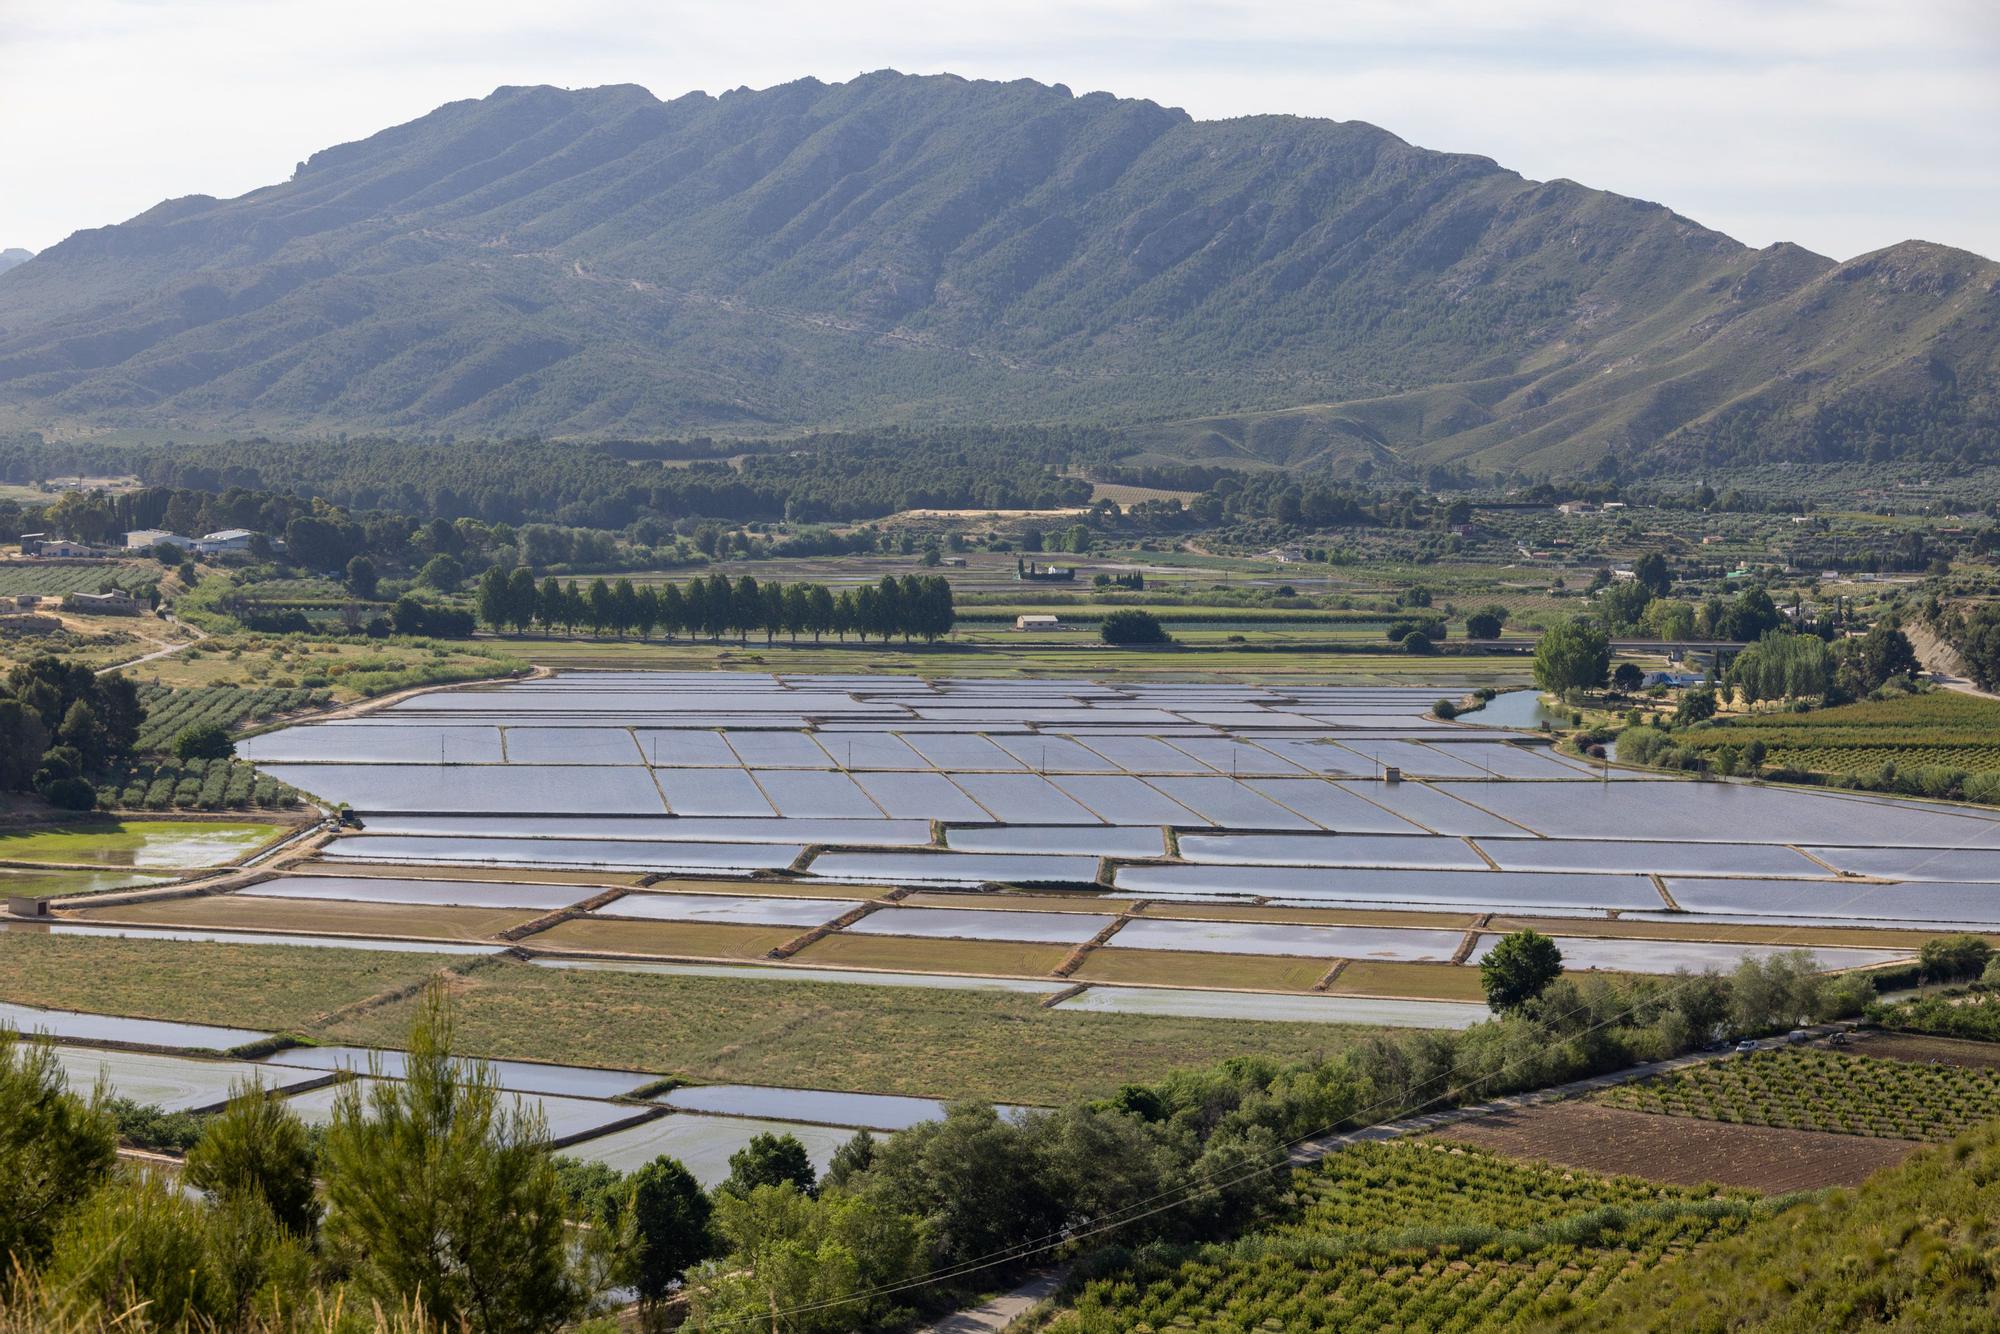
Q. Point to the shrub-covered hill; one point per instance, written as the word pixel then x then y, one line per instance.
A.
pixel 927 249
pixel 1912 1249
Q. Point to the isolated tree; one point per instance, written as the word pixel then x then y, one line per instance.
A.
pixel 1571 656
pixel 443 573
pixel 439 1193
pixel 1884 652
pixel 258 1148
pixel 361 577
pixel 1129 625
pixel 1519 968
pixel 1627 677
pixel 769 1160
pixel 522 602
pixel 494 607
pixel 1696 706
pixel 204 741
pixel 1652 574
pixel 670 1213
pixel 1486 623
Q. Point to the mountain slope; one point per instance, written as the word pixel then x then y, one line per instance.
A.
pixel 14 255
pixel 900 248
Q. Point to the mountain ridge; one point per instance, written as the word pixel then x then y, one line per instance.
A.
pixel 933 249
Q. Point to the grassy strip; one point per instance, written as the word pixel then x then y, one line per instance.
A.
pixel 1253 972
pixel 416 922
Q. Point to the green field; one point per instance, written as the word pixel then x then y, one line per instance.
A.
pixel 915 1040
pixel 1083 656
pixel 1410 1235
pixel 163 844
pixel 1935 728
pixel 1812 1090
pixel 48 579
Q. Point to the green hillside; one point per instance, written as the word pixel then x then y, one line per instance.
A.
pixel 1271 289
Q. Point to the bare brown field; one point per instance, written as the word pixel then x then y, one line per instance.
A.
pixel 320 915
pixel 907 954
pixel 1253 972
pixel 687 940
pixel 1942 1051
pixel 1678 1149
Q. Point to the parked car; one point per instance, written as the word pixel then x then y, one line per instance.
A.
pixel 1798 1035
pixel 1746 1047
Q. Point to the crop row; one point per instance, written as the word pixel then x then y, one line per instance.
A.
pixel 49 580
pixel 1409 1235
pixel 207 785
pixel 1800 1090
pixel 1983 758
pixel 171 711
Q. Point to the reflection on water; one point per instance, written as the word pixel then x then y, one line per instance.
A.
pixel 1522 709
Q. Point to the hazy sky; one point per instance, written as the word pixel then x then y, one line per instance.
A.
pixel 1841 124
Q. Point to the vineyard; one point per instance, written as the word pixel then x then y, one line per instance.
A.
pixel 49 579
pixel 1801 1090
pixel 171 711
pixel 1414 1235
pixel 202 785
pixel 1937 728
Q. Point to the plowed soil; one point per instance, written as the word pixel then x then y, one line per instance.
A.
pixel 1679 1149
pixel 1924 1050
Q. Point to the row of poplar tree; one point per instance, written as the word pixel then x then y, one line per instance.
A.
pixel 916 606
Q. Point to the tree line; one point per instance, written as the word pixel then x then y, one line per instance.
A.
pixel 916 606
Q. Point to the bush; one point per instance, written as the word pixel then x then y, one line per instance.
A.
pixel 204 741
pixel 70 794
pixel 1128 625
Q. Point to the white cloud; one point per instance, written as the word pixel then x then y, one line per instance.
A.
pixel 1842 124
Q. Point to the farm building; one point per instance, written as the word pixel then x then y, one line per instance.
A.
pixel 57 548
pixel 227 540
pixel 114 603
pixel 1037 621
pixel 145 539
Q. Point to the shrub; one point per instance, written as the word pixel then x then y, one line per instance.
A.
pixel 204 741
pixel 1129 625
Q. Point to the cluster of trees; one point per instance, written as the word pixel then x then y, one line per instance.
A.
pixel 61 726
pixel 821 477
pixel 1781 666
pixel 1976 636
pixel 914 606
pixel 1638 607
pixel 431 1196
pixel 1572 656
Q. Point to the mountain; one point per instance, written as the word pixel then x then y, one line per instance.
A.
pixel 1267 290
pixel 13 255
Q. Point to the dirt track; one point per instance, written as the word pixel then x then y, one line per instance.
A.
pixel 1678 1149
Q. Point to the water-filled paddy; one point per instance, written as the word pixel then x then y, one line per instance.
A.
pixel 30 1020
pixel 173 1083
pixel 702 1144
pixel 162 844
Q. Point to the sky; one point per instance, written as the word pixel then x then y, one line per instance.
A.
pixel 1843 125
